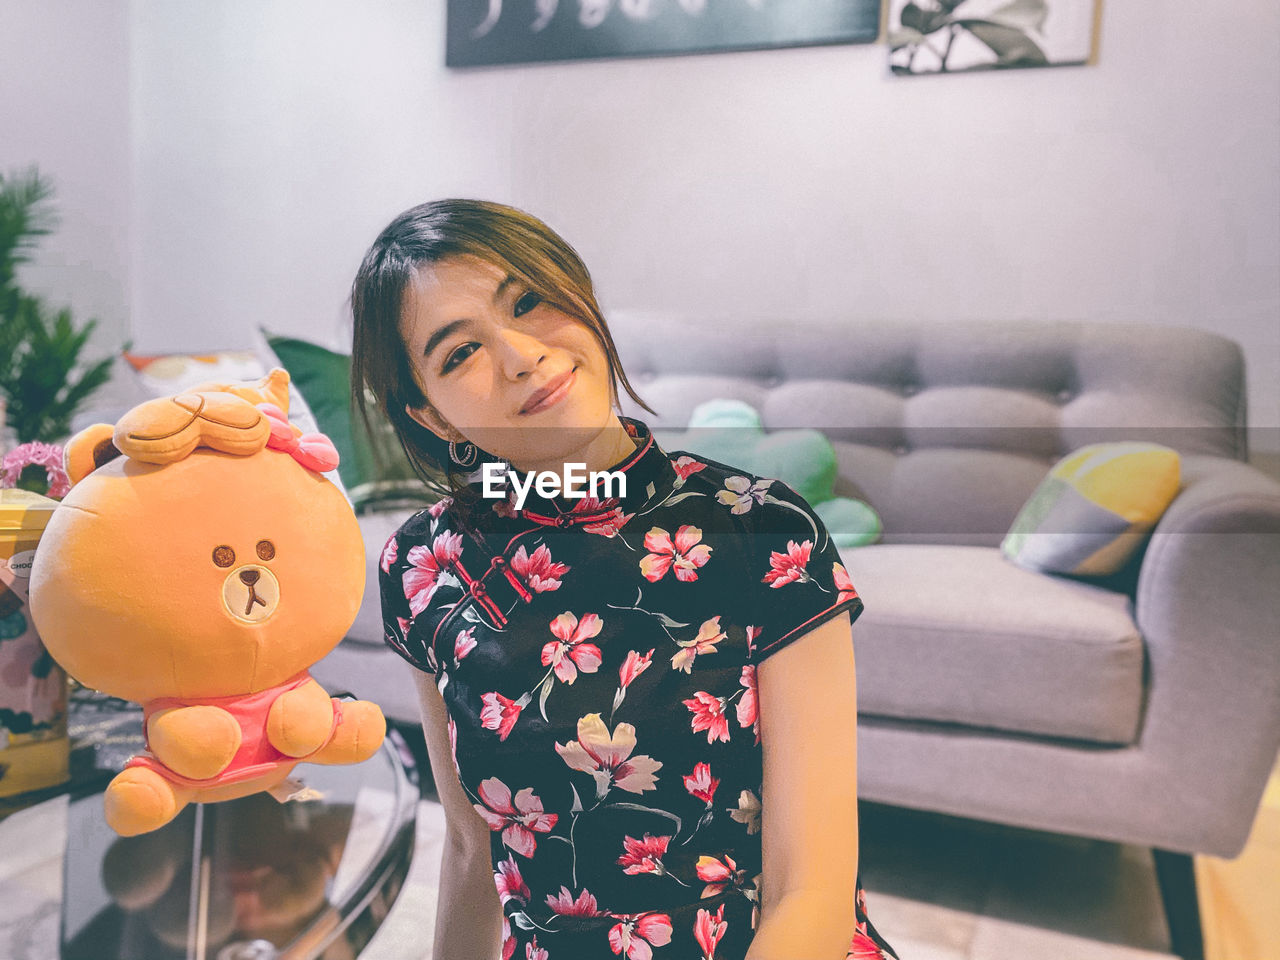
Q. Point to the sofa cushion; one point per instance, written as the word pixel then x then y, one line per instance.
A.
pixel 945 428
pixel 958 634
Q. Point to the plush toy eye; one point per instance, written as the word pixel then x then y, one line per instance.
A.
pixel 224 556
pixel 266 549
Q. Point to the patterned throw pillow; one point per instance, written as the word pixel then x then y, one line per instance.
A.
pixel 166 374
pixel 1094 509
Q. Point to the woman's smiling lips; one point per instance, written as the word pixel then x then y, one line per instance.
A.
pixel 551 394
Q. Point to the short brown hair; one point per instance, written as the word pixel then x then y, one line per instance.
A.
pixel 510 239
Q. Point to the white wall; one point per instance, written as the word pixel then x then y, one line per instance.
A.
pixel 272 140
pixel 64 106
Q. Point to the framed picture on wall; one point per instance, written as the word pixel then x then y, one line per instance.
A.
pixel 486 32
pixel 951 36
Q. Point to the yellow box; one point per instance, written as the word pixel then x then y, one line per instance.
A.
pixel 34 750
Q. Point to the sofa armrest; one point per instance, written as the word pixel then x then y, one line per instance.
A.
pixel 1208 607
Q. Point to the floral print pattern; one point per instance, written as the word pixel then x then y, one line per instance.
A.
pixel 598 661
pixel 741 494
pixel 607 757
pixel 684 553
pixel 516 819
pixel 571 652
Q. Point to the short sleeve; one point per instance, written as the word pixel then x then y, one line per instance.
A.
pixel 798 581
pixel 397 618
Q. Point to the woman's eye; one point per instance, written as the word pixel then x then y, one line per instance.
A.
pixel 531 298
pixel 458 356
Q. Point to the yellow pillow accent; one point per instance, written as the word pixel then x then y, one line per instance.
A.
pixel 1136 480
pixel 1094 508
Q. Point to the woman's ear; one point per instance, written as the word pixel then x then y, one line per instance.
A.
pixel 427 417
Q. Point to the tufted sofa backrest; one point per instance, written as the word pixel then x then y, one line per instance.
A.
pixel 945 429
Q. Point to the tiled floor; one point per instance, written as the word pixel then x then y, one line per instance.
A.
pixel 938 888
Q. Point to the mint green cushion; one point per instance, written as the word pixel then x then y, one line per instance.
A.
pixel 850 522
pixel 732 432
pixel 374 469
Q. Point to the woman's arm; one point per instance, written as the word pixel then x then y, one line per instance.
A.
pixel 809 826
pixel 468 912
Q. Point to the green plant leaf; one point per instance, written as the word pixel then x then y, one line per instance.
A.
pixel 25 216
pixel 41 375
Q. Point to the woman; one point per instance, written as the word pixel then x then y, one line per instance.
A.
pixel 611 685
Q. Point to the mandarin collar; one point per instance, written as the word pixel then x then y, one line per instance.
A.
pixel 648 473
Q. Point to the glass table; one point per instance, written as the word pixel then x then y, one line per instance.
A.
pixel 249 879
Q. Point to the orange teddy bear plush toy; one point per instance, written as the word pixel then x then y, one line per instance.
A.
pixel 199 566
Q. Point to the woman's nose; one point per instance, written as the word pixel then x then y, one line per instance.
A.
pixel 519 353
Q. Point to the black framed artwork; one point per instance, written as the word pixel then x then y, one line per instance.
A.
pixel 488 32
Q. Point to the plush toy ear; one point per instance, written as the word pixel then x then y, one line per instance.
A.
pixel 273 388
pixel 88 450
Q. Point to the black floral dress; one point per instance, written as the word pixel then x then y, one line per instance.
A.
pixel 597 658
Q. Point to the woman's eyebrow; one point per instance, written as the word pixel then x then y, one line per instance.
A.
pixel 502 287
pixel 440 335
pixel 435 339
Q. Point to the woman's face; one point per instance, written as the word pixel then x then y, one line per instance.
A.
pixel 485 349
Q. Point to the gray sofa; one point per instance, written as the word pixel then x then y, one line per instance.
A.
pixel 1142 708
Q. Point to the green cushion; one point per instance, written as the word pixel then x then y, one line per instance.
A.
pixel 1094 509
pixel 850 522
pixel 373 467
pixel 732 432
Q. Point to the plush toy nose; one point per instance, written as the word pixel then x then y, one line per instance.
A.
pixel 251 593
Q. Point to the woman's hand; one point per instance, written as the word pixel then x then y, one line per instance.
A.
pixel 808 732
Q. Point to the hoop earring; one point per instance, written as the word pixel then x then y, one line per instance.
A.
pixel 468 456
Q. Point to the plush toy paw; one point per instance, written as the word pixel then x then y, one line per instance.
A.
pixel 140 800
pixel 300 721
pixel 358 736
pixel 194 742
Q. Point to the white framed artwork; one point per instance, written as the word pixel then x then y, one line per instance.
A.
pixel 953 36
